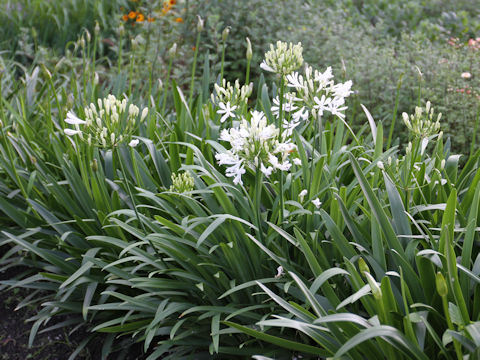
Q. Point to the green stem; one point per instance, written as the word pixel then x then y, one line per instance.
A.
pixel 258 202
pixel 223 60
pixel 194 66
pixel 474 135
pixel 120 45
pixel 392 125
pixel 167 84
pixel 130 73
pixel 280 123
pixel 456 344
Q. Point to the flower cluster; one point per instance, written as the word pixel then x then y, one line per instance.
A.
pixel 315 93
pixel 235 94
pixel 136 17
pixel 182 182
pixel 230 97
pixel 422 124
pixel 283 59
pixel 168 5
pixel 256 145
pixel 107 123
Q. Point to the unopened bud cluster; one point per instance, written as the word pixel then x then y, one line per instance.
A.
pixel 107 123
pixel 182 182
pixel 422 124
pixel 235 94
pixel 283 58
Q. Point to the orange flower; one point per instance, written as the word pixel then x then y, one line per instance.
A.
pixel 150 19
pixel 140 17
pixel 125 17
pixel 166 8
pixel 194 48
pixel 172 2
pixel 132 15
pixel 179 20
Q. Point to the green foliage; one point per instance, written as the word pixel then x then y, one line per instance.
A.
pixel 361 249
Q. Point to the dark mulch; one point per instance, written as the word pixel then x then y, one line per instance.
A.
pixel 53 345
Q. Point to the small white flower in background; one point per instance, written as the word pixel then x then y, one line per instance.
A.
pixel 144 114
pixel 226 110
pixel 422 124
pixel 317 203
pixel 297 161
pixel 302 195
pixel 466 75
pixel 133 142
pixel 380 165
pixel 280 272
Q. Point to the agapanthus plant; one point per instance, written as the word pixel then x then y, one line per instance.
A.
pixel 256 145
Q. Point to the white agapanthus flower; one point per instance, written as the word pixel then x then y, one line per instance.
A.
pixel 255 144
pixel 133 142
pixel 226 111
pixel 302 195
pixel 317 203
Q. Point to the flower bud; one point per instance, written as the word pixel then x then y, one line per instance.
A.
pixel 94 165
pixel 362 265
pixel 225 33
pixel 97 28
pixel 441 284
pixel 199 24
pixel 376 291
pixel 172 51
pixel 249 49
pixel 89 37
pixel 121 30
pixel 442 164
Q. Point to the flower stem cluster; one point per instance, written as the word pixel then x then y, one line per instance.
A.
pixel 283 58
pixel 182 182
pixel 421 124
pixel 256 145
pixel 107 123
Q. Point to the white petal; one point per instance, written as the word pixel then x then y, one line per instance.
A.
pixel 266 67
pixel 72 119
pixel 71 132
pixel 133 142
